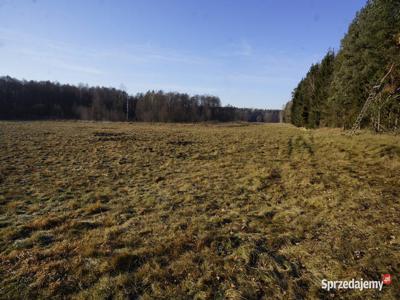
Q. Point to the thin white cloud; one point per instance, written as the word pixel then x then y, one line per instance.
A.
pixel 77 68
pixel 240 48
pixel 245 49
pixel 86 60
pixel 148 53
pixel 258 79
pixel 47 52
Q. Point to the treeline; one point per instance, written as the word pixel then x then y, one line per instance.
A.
pixel 48 100
pixel 334 90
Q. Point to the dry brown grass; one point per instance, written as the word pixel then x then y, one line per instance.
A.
pixel 169 211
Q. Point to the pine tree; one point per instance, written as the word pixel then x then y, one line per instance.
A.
pixel 366 53
pixel 333 91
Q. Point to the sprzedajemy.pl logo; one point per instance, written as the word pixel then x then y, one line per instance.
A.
pixel 354 284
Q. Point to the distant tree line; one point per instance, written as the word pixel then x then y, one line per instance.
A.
pixel 334 90
pixel 49 100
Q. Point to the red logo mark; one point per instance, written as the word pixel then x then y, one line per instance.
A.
pixel 387 279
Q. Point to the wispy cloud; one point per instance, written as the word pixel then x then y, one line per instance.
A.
pixel 87 60
pixel 77 68
pixel 239 48
pixel 49 53
pixel 259 78
pixel 244 48
pixel 149 53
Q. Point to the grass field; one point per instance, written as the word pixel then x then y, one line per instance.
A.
pixel 228 211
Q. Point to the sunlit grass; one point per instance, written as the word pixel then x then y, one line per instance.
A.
pixel 177 211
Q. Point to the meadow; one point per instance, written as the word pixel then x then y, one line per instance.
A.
pixel 101 210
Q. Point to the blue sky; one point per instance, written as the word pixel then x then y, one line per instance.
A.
pixel 249 53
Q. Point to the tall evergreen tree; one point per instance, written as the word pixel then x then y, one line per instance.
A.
pixel 309 101
pixel 366 52
pixel 334 91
